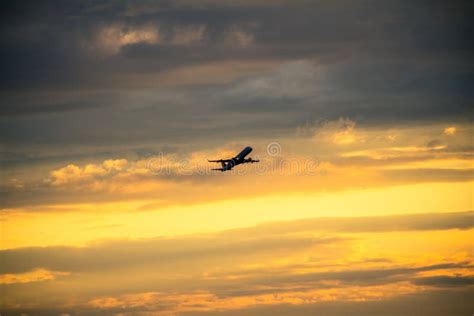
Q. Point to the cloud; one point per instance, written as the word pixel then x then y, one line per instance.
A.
pixel 146 109
pixel 36 275
pixel 371 155
pixel 264 239
pixel 280 90
pixel 74 174
pixel 240 38
pixel 188 35
pixel 113 37
pixel 450 130
pixel 299 263
pixel 339 132
pixel 202 301
pixel 445 281
pixel 437 303
pixel 429 174
pixel 164 253
pixel 463 220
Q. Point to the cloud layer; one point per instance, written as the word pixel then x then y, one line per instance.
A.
pixel 277 263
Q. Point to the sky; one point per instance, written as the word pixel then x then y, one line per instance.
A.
pixel 360 113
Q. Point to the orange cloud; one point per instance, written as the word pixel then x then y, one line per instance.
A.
pixel 36 275
pixel 451 130
pixel 171 304
pixel 74 174
pixel 339 132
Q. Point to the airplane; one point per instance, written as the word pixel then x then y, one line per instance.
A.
pixel 228 164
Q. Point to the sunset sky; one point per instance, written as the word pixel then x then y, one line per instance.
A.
pixel 360 113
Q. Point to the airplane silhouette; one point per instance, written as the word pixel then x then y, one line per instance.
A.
pixel 228 164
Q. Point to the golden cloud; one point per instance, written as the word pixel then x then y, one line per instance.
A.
pixel 111 38
pixel 36 275
pixel 451 130
pixel 75 174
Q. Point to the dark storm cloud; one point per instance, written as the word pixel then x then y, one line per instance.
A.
pixel 44 42
pixel 27 103
pixel 378 63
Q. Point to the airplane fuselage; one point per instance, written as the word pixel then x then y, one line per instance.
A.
pixel 237 160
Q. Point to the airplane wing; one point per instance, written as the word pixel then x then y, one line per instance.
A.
pixel 218 169
pixel 250 160
pixel 220 160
